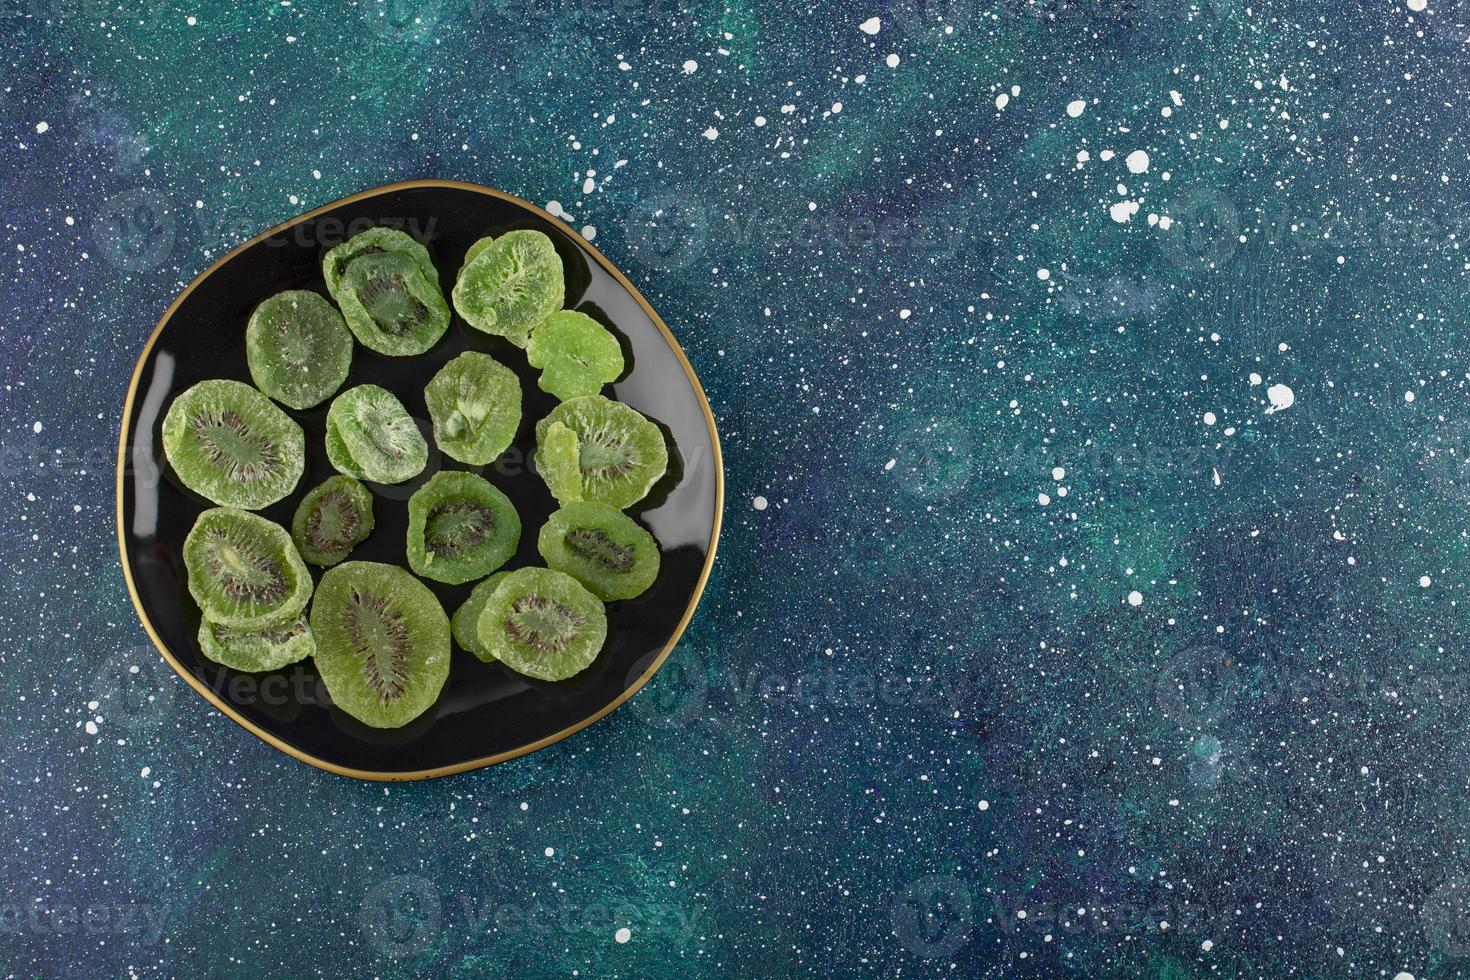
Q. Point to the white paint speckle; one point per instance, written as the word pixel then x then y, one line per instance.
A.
pixel 691 66
pixel 623 935
pixel 145 772
pixel 985 804
pixel 891 61
pixel 1408 396
pixel 1418 6
pixel 712 133
pixel 1058 473
pixel 1043 499
pixel 589 232
pixel 760 503
pixel 36 426
pixel 1002 100
pixel 871 26
pixel 1043 274
pixel 1425 581
pixel 551 852
pixel 1210 418
pixel 1076 108
pixel 760 120
pixel 1207 945
pixel 1137 162
pixel 1135 598
pixel 42 126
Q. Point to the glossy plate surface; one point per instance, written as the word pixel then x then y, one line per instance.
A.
pixel 486 713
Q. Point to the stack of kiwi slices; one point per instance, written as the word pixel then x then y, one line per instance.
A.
pixel 379 637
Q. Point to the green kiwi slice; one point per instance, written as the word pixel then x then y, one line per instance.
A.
pixel 620 454
pixel 557 460
pixel 243 570
pixel 465 622
pixel 472 254
pixel 460 528
pixel 254 651
pixel 390 305
pixel 373 242
pixel 601 547
pixel 382 642
pixel 511 285
pixel 371 436
pixel 475 404
pixel 334 517
pixel 543 623
pixel 228 442
pixel 576 354
pixel 298 347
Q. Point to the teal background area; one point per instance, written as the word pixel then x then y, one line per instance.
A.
pixel 1036 644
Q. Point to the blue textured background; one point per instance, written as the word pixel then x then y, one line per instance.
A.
pixel 1035 646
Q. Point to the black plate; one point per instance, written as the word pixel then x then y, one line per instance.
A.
pixel 486 713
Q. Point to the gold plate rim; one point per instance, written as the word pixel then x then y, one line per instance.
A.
pixel 368 774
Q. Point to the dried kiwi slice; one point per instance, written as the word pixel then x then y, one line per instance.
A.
pixel 244 571
pixel 254 651
pixel 333 518
pixel 371 436
pixel 382 642
pixel 372 242
pixel 620 454
pixel 465 622
pixel 557 460
pixel 391 305
pixel 511 285
pixel 228 442
pixel 601 547
pixel 543 623
pixel 460 528
pixel 298 347
pixel 475 404
pixel 576 354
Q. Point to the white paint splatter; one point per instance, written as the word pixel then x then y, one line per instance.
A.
pixel 1076 107
pixel 1135 598
pixel 1123 211
pixel 871 26
pixel 1137 162
pixel 760 503
pixel 1281 397
pixel 623 935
